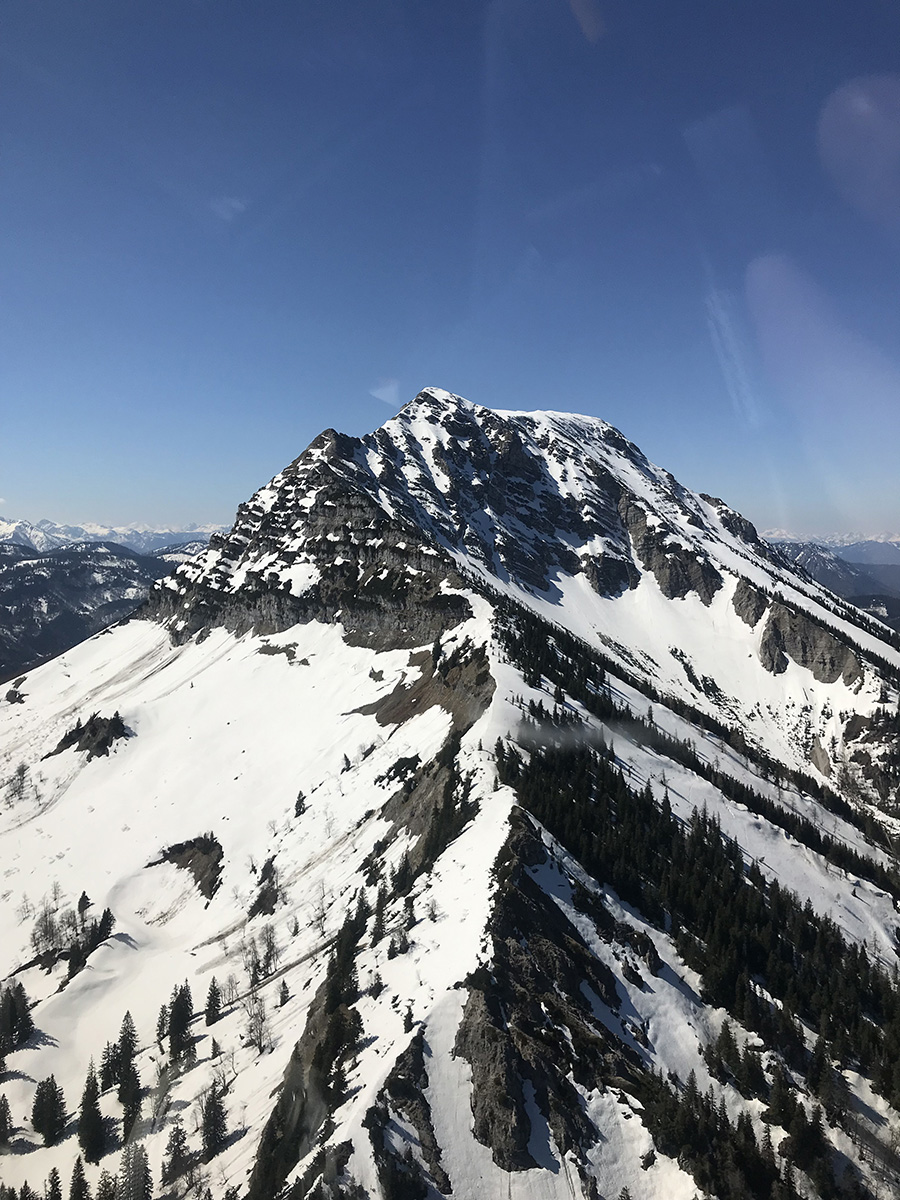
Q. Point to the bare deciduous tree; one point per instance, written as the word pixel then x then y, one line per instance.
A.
pixel 258 1034
pixel 231 989
pixel 271 951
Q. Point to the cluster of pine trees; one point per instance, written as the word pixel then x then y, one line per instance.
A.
pixel 118 1070
pixel 134 1181
pixel 727 1160
pixel 343 1025
pixel 173 1025
pixel 16 1024
pixel 737 929
pixel 570 664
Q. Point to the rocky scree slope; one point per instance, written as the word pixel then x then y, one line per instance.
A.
pixel 533 818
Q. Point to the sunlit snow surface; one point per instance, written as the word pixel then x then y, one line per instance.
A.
pixel 227 730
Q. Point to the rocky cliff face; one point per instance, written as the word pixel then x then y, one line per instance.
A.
pixel 384 534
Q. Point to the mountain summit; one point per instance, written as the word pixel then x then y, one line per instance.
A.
pixel 526 821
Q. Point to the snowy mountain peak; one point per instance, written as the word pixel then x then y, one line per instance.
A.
pixel 526 822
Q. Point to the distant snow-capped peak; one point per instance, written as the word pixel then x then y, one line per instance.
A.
pixel 47 535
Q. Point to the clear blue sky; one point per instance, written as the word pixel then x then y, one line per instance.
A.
pixel 226 224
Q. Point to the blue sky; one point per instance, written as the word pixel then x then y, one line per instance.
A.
pixel 228 225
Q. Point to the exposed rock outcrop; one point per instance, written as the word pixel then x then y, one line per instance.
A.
pixel 202 856
pixel 95 737
pixel 529 1021
pixel 749 602
pixel 790 634
pixel 678 570
pixel 460 682
pixel 302 1108
pixel 404 1176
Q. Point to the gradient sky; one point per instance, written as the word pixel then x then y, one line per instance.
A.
pixel 228 224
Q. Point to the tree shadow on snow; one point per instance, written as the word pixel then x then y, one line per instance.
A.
pixel 126 939
pixel 22 1145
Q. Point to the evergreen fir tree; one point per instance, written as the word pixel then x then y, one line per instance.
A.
pixel 213 1002
pixel 6 1123
pixel 283 993
pixel 135 1180
pixel 106 926
pixel 107 1186
pixel 177 1158
pixel 110 1065
pixel 130 1098
pixel 162 1025
pixel 78 1188
pixel 128 1041
pixel 53 1190
pixel 378 928
pixel 181 1012
pixel 91 1135
pixel 214 1129
pixel 48 1112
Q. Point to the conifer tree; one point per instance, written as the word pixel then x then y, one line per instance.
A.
pixel 283 994
pixel 107 1187
pixel 48 1111
pixel 213 1002
pixel 162 1025
pixel 78 1188
pixel 6 1123
pixel 378 928
pixel 22 1025
pixel 128 1041
pixel 91 1136
pixel 135 1180
pixel 129 1098
pixel 110 1066
pixel 106 926
pixel 181 1012
pixel 214 1126
pixel 53 1190
pixel 177 1159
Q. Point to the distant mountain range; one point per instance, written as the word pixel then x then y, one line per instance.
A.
pixel 864 572
pixel 855 547
pixel 145 539
pixel 52 600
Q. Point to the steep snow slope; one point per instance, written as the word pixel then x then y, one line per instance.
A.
pixel 392 726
